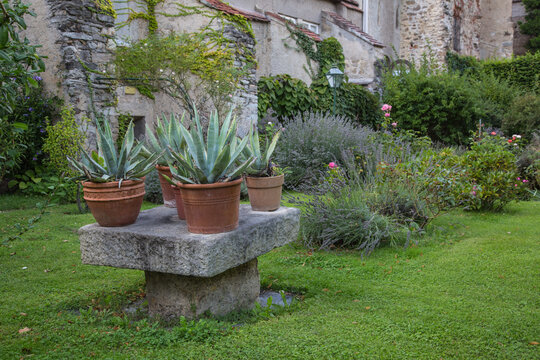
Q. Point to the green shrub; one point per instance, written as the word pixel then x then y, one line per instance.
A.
pixel 45 181
pixel 495 96
pixel 528 162
pixel 520 71
pixel 523 116
pixel 64 138
pixel 491 168
pixel 152 188
pixel 442 106
pixel 25 130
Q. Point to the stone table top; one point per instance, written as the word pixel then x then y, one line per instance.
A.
pixel 159 241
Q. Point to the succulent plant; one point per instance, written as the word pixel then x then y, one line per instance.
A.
pixel 110 164
pixel 262 165
pixel 214 159
pixel 167 134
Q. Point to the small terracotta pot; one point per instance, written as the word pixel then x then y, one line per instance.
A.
pixel 166 187
pixel 113 206
pixel 211 208
pixel 179 203
pixel 265 192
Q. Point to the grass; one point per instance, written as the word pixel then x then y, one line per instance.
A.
pixel 469 290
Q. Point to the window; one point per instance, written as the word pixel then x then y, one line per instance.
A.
pixel 308 25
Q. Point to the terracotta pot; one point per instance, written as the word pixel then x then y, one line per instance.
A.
pixel 265 192
pixel 113 206
pixel 211 208
pixel 179 203
pixel 166 188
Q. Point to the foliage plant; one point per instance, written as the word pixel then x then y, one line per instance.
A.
pixel 194 68
pixel 309 142
pixel 440 105
pixel 285 97
pixel 152 188
pixel 520 71
pixel 112 164
pixel 523 116
pixel 531 26
pixel 20 63
pixel 491 167
pixel 12 147
pixel 45 181
pixel 64 138
pixel 262 166
pixel 528 162
pixel 168 136
pixel 213 159
pixel 338 216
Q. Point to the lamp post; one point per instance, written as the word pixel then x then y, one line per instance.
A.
pixel 335 78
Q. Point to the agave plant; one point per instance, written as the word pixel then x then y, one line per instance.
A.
pixel 167 135
pixel 262 165
pixel 210 160
pixel 109 164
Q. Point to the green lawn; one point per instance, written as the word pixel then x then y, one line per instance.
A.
pixel 469 290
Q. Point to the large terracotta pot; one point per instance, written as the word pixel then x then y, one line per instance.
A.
pixel 179 203
pixel 265 192
pixel 211 208
pixel 113 206
pixel 166 188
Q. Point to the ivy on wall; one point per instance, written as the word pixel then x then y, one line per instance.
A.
pixel 283 97
pixel 105 7
pixel 326 53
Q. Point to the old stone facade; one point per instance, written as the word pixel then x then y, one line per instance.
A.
pixel 481 28
pixel 79 40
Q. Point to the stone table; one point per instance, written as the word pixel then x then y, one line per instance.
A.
pixel 189 274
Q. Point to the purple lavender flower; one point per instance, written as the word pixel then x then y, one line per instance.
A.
pixel 34 158
pixel 37 78
pixel 42 130
pixel 30 109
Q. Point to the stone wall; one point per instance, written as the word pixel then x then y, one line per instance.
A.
pixel 465 22
pixel 245 99
pixel 480 28
pixel 425 24
pixel 496 29
pixel 77 41
pixel 278 53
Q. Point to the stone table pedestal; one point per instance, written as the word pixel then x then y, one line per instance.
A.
pixel 190 274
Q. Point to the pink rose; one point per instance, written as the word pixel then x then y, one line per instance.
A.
pixel 493 133
pixel 387 115
pixel 510 141
pixel 386 107
pixel 394 124
pixel 389 107
pixel 332 165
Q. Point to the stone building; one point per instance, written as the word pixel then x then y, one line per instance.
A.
pixel 77 38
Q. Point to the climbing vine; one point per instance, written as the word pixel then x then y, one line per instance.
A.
pixel 105 7
pixel 326 53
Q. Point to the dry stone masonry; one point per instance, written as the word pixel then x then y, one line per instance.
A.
pixel 85 44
